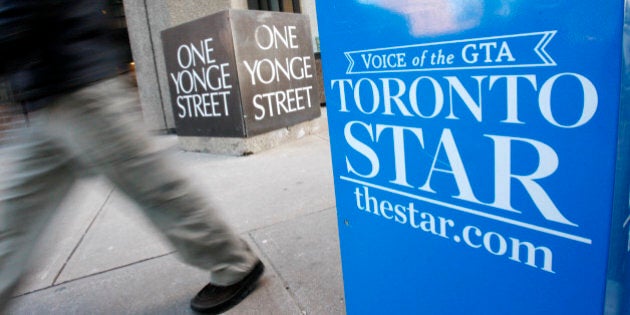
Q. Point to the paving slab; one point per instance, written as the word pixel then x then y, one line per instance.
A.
pixel 305 253
pixel 120 235
pixel 265 188
pixel 65 232
pixel 161 285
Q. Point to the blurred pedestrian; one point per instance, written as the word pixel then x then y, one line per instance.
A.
pixel 64 71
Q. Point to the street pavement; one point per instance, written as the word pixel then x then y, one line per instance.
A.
pixel 101 256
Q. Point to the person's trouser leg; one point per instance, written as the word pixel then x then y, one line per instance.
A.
pixel 34 178
pixel 93 124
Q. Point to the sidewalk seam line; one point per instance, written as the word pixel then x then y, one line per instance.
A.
pixel 76 247
pixel 285 283
pixel 292 218
pixel 94 274
pixel 321 137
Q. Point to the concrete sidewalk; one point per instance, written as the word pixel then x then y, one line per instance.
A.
pixel 101 256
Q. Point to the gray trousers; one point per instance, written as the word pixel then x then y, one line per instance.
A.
pixel 91 129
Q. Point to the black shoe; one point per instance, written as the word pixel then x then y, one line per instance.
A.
pixel 214 299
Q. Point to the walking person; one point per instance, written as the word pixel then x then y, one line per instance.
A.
pixel 63 69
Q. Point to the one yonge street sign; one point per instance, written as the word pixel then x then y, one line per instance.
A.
pixel 241 73
pixel 480 155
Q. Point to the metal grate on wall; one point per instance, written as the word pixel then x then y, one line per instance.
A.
pixel 275 5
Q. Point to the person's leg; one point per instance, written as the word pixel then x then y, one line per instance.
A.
pixel 93 123
pixel 34 177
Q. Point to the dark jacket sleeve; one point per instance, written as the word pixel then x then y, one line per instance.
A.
pixel 16 22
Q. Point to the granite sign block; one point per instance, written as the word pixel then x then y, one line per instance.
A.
pixel 241 73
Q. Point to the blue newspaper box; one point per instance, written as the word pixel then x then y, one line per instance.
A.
pixel 480 154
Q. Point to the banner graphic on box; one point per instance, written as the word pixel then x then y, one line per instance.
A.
pixel 475 158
